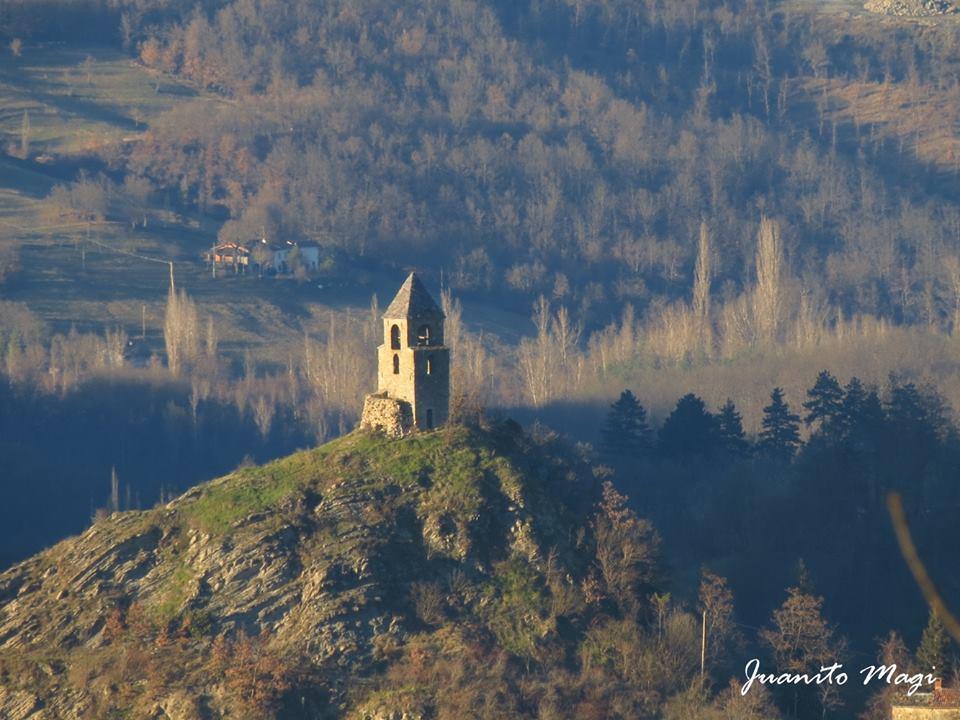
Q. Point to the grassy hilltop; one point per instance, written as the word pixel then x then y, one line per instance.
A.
pixel 350 558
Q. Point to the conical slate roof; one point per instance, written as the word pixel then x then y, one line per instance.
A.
pixel 412 301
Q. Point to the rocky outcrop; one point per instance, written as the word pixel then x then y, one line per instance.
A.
pixel 915 8
pixel 316 553
pixel 19 704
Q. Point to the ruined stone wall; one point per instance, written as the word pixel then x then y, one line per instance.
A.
pixel 389 415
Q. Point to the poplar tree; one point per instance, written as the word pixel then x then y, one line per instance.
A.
pixel 701 290
pixel 25 135
pixel 768 294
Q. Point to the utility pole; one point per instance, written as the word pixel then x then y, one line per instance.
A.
pixel 703 645
pixel 114 491
pixel 172 285
pixel 143 321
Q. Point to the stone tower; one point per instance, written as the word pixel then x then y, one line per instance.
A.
pixel 413 365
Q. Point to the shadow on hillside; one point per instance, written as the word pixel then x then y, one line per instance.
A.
pixel 57 453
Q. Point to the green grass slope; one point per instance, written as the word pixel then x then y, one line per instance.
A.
pixel 332 560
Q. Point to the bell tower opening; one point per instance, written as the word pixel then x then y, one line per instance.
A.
pixel 394 337
pixel 423 335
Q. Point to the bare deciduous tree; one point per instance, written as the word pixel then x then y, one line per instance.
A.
pixel 25 135
pixel 703 275
pixel 181 331
pixel 803 642
pixel 768 294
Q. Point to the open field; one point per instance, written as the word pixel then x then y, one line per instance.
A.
pixel 847 9
pixel 80 101
pixel 917 120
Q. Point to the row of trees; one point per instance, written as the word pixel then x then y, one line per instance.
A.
pixel 691 431
pixel 833 411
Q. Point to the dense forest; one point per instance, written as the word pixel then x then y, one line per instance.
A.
pixel 569 149
pixel 715 492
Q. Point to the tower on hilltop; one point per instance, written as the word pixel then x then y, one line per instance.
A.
pixel 413 365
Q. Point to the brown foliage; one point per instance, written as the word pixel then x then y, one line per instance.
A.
pixel 255 675
pixel 627 549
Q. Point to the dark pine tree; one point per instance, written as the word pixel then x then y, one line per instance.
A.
pixel 825 400
pixel 917 413
pixel 732 438
pixel 625 431
pixel 689 431
pixel 854 397
pixel 780 435
pixel 863 426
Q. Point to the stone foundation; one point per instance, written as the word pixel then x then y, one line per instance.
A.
pixel 925 713
pixel 391 416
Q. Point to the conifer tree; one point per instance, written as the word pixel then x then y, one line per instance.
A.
pixel 862 432
pixel 732 438
pixel 625 431
pixel 690 430
pixel 780 435
pixel 854 397
pixel 825 400
pixel 932 652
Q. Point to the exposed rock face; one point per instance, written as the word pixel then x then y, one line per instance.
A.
pixel 390 416
pixel 910 7
pixel 18 705
pixel 316 551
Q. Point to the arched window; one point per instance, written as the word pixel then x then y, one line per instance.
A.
pixel 429 419
pixel 423 335
pixel 429 364
pixel 395 337
pixel 396 364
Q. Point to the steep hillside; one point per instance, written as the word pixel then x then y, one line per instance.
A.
pixel 286 583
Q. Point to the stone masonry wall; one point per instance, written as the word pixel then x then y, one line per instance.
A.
pixel 925 713
pixel 389 415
